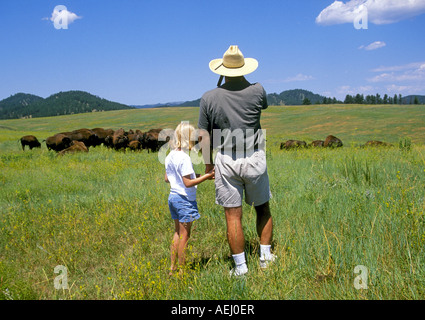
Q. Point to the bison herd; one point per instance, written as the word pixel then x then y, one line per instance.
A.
pixel 82 139
pixel 330 142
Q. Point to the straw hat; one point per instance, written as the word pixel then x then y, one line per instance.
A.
pixel 233 63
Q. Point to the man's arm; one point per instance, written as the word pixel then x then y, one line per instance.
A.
pixel 204 125
pixel 205 144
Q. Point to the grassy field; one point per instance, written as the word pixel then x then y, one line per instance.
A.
pixel 104 215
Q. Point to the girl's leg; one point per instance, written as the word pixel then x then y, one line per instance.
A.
pixel 175 246
pixel 184 233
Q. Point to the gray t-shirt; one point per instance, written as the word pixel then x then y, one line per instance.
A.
pixel 231 114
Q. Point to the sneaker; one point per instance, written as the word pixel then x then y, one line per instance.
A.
pixel 264 263
pixel 237 272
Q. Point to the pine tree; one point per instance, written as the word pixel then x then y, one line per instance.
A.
pixel 306 101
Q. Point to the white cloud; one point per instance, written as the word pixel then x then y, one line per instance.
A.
pixel 413 72
pixel 344 90
pixel 299 77
pixel 61 15
pixel 409 66
pixel 406 79
pixel 373 46
pixel 378 11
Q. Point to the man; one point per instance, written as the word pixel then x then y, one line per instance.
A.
pixel 229 121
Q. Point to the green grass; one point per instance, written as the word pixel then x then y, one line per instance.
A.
pixel 104 214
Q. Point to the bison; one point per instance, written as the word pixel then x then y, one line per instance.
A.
pixel 120 139
pixel 30 141
pixel 58 142
pixel 151 140
pixel 102 134
pixel 76 146
pixel 332 142
pixel 317 143
pixel 135 136
pixel 292 144
pixel 87 136
pixel 134 145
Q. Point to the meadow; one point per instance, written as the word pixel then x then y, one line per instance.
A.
pixel 104 216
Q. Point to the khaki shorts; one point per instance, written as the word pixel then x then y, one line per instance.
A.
pixel 233 176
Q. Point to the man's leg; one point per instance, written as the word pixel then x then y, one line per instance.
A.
pixel 264 223
pixel 265 232
pixel 236 239
pixel 235 234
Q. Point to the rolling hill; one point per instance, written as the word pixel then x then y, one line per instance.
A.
pixel 23 105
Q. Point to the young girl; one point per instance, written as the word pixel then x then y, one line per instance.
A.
pixel 182 199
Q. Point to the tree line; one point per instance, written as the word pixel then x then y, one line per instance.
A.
pixel 368 99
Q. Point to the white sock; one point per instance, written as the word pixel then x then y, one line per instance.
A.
pixel 265 252
pixel 240 260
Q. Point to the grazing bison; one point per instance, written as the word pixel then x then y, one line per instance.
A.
pixel 109 141
pixel 87 136
pixel 151 140
pixel 135 136
pixel 76 146
pixel 58 142
pixel 102 134
pixel 134 145
pixel 120 139
pixel 30 141
pixel 332 142
pixel 317 143
pixel 374 143
pixel 292 144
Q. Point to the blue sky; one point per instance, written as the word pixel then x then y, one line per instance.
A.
pixel 143 52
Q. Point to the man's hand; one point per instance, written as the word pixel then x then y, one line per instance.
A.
pixel 208 169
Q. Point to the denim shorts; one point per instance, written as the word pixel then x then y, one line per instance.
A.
pixel 182 209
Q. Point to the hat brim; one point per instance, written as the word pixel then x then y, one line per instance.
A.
pixel 217 67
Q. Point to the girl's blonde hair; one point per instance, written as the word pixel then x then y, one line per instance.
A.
pixel 182 136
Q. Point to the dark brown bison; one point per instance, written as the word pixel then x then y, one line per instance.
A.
pixel 134 145
pixel 30 141
pixel 135 136
pixel 332 142
pixel 152 140
pixel 374 143
pixel 292 144
pixel 102 134
pixel 120 139
pixel 87 136
pixel 317 143
pixel 109 141
pixel 76 146
pixel 58 142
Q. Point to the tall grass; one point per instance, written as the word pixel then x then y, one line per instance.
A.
pixel 104 216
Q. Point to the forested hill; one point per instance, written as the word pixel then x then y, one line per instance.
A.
pixel 294 97
pixel 22 105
